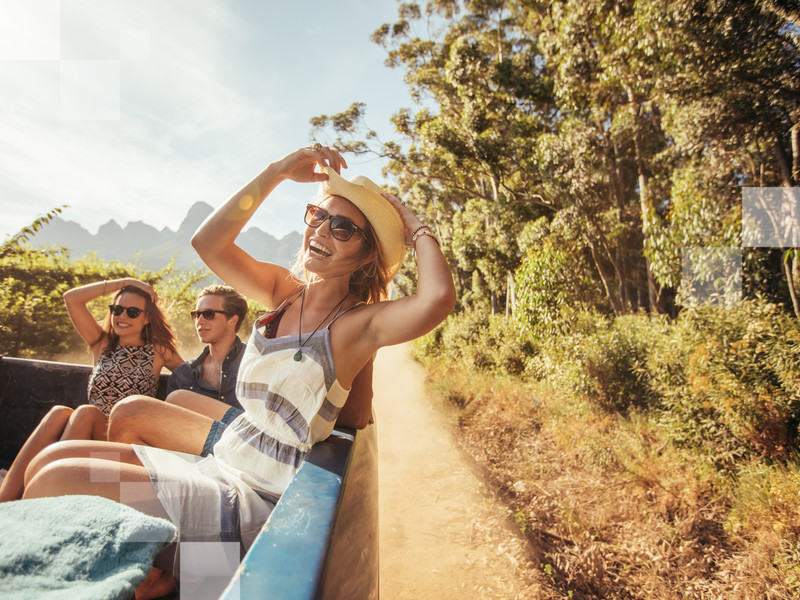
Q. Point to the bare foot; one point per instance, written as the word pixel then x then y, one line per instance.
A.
pixel 158 583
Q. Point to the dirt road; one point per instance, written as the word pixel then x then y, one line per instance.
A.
pixel 441 533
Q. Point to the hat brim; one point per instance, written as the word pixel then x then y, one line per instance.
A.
pixel 382 216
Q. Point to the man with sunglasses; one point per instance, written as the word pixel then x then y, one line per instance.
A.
pixel 218 315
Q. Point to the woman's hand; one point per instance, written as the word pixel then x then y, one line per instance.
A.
pixel 410 220
pixel 301 165
pixel 144 286
pixel 215 240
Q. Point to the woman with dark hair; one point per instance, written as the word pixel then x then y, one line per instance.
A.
pixel 129 348
pixel 301 362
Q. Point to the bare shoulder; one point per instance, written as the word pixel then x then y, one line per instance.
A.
pixel 166 356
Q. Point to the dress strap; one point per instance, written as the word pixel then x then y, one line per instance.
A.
pixel 269 320
pixel 340 313
pixel 289 299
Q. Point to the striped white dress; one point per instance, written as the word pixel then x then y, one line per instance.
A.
pixel 289 406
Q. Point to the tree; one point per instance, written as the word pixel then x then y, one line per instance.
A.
pixel 629 125
pixel 32 281
pixel 460 166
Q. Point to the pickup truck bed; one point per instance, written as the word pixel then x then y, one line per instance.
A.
pixel 321 540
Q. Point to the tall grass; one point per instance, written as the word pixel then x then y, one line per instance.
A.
pixel 642 454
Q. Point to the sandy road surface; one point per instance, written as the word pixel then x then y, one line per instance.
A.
pixel 441 534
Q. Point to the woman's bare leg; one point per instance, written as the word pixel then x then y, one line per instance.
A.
pixel 120 481
pixel 49 430
pixel 151 422
pixel 87 423
pixel 81 449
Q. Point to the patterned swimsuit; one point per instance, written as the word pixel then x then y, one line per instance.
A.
pixel 125 371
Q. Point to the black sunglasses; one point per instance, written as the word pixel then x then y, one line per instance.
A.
pixel 117 310
pixel 342 228
pixel 208 314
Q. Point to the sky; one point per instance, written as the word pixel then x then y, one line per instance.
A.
pixel 133 110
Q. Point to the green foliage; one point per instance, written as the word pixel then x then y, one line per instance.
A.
pixel 740 390
pixel 724 381
pixel 630 127
pixel 603 360
pixel 481 341
pixel 32 281
pixel 13 243
pixel 551 286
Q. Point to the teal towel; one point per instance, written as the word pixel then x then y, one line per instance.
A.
pixel 76 547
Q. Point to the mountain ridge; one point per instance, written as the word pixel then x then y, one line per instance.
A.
pixel 154 248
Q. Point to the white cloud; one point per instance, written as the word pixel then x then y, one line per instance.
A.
pixel 209 93
pixel 29 29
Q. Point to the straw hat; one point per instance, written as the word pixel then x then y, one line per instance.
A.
pixel 382 216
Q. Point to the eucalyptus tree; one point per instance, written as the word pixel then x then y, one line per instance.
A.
pixel 630 125
pixel 730 95
pixel 467 156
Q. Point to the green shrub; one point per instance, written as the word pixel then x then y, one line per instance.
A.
pixel 604 361
pixel 744 368
pixel 479 340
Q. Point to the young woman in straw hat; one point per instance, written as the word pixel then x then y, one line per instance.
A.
pixel 301 361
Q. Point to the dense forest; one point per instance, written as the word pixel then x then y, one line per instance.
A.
pixel 624 358
pixel 595 171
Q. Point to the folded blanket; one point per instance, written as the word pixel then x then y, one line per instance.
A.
pixel 76 547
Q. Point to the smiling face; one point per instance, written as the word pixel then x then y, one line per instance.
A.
pixel 220 328
pixel 325 254
pixel 125 326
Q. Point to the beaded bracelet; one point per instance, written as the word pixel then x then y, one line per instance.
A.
pixel 414 233
pixel 421 231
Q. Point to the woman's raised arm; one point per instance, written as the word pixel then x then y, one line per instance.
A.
pixel 408 318
pixel 78 298
pixel 215 239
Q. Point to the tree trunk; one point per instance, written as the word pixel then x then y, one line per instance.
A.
pixel 795 133
pixel 791 278
pixel 612 298
pixel 647 210
pixel 784 164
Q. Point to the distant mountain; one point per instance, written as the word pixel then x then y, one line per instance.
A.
pixel 154 248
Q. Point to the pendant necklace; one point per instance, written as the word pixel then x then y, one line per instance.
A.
pixel 298 356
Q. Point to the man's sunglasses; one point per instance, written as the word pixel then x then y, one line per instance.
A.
pixel 118 309
pixel 208 314
pixel 342 228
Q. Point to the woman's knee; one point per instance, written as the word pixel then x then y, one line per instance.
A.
pixel 58 416
pixel 86 423
pixel 52 453
pixel 46 480
pixel 70 475
pixel 180 398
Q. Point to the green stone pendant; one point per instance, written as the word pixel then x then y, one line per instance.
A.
pixel 298 356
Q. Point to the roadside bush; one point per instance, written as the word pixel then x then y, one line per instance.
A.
pixel 604 361
pixel 725 381
pixel 742 378
pixel 479 340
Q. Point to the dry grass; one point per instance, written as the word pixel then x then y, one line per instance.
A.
pixel 613 510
